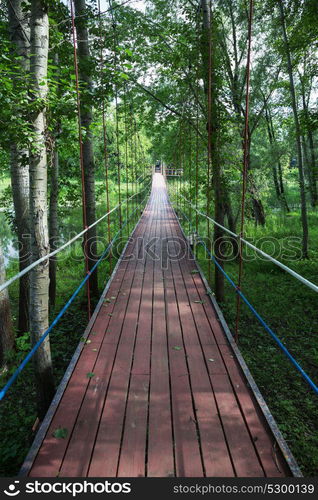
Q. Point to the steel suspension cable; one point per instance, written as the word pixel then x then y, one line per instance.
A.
pixel 178 165
pixel 126 147
pixel 259 317
pixel 81 157
pixel 245 168
pixel 290 271
pixel 22 365
pixel 180 162
pixel 19 275
pixel 115 42
pixel 142 154
pixel 106 165
pixel 118 153
pixel 197 158
pixel 131 146
pixel 190 171
pixel 208 193
pixel 135 154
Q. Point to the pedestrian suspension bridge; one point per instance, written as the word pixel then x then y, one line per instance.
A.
pixel 169 393
pixel 168 396
pixel 157 387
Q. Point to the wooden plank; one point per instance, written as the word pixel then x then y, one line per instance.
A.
pixel 184 418
pixel 160 458
pixel 259 436
pixel 187 443
pixel 242 449
pixel 210 314
pixel 77 458
pixel 132 460
pixel 69 407
pixel 167 396
pixel 110 427
pixel 215 453
pixel 272 461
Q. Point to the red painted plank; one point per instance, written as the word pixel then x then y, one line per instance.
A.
pixel 243 452
pixel 273 464
pixel 167 396
pixel 215 453
pixel 215 362
pixel 67 411
pixel 106 450
pixel 160 458
pixel 133 449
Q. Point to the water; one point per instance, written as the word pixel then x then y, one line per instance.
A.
pixel 7 239
pixel 70 224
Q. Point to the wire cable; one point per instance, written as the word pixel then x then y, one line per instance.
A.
pixel 63 310
pixel 258 316
pixel 290 271
pixel 245 167
pixel 7 283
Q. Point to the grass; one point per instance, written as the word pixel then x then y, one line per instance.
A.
pixel 4 183
pixel 290 309
pixel 18 409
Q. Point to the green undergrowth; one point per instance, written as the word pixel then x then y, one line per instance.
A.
pixel 290 309
pixel 18 409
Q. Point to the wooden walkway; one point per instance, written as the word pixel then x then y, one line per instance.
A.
pixel 157 389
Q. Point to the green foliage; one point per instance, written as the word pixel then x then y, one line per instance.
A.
pixel 60 433
pixel 154 67
pixel 290 310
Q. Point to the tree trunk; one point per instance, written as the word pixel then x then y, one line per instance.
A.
pixel 53 221
pixel 39 276
pixel 257 205
pixel 281 182
pixel 314 173
pixel 271 141
pixel 307 171
pixel 53 214
pixel 6 330
pixel 228 211
pixel 258 211
pixel 19 29
pixel 310 162
pixel 208 59
pixel 85 67
pixel 298 135
pixel 277 170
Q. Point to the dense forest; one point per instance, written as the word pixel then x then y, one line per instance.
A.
pixel 93 94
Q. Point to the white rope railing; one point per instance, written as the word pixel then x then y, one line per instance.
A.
pixel 65 245
pixel 288 270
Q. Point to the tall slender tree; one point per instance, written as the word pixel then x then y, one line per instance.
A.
pixel 53 217
pixel 39 279
pixel 297 131
pixel 85 75
pixel 54 195
pixel 311 165
pixel 209 72
pixel 19 28
pixel 6 330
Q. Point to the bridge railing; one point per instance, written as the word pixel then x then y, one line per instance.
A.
pixel 300 278
pixel 174 172
pixel 36 346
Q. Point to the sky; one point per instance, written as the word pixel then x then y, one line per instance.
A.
pixel 104 4
pixel 136 4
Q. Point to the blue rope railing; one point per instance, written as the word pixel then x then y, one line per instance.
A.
pixel 256 314
pixel 63 310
